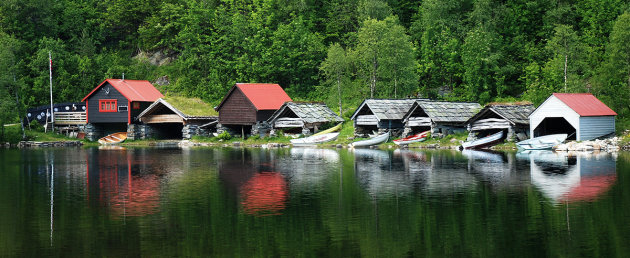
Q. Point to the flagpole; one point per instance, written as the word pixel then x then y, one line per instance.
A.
pixel 52 114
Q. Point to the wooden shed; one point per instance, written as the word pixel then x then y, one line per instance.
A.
pixel 381 115
pixel 512 118
pixel 441 117
pixel 178 117
pixel 247 105
pixel 581 115
pixel 303 117
pixel 116 103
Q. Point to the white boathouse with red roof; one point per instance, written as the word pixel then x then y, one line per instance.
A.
pixel 581 115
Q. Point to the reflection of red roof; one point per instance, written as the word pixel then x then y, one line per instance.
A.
pixel 264 194
pixel 133 90
pixel 264 96
pixel 590 188
pixel 585 104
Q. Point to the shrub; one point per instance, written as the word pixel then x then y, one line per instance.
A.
pixel 224 136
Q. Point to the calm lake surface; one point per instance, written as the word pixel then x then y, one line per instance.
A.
pixel 312 202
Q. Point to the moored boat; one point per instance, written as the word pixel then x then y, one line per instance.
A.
pixel 314 139
pixel 414 138
pixel 483 142
pixel 543 142
pixel 372 141
pixel 329 130
pixel 113 138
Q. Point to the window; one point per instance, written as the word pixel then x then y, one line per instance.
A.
pixel 107 105
pixel 136 105
pixel 122 108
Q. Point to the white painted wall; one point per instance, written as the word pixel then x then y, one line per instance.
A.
pixel 553 107
pixel 592 127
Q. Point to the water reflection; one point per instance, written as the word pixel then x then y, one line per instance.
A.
pixel 381 173
pixel 571 177
pixel 499 169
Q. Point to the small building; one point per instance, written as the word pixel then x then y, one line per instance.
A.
pixel 302 117
pixel 512 118
pixel 581 115
pixel 247 105
pixel 380 115
pixel 114 104
pixel 441 117
pixel 176 118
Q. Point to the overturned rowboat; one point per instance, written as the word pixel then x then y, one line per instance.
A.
pixel 113 138
pixel 372 141
pixel 483 142
pixel 315 139
pixel 543 142
pixel 414 138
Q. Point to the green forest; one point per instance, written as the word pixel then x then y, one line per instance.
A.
pixel 335 51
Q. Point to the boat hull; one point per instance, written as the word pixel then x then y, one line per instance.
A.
pixel 114 138
pixel 329 130
pixel 546 142
pixel 411 139
pixel 315 139
pixel 483 142
pixel 373 141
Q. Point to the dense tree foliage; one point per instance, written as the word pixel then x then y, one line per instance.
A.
pixel 331 50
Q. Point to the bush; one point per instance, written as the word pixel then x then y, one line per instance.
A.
pixel 224 136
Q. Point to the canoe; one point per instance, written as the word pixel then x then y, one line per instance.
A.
pixel 414 138
pixel 329 130
pixel 113 138
pixel 543 142
pixel 483 142
pixel 372 141
pixel 314 139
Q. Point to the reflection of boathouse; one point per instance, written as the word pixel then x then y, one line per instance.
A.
pixel 563 178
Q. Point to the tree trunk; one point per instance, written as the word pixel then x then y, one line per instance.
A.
pixel 373 77
pixel 395 86
pixel 566 60
pixel 339 93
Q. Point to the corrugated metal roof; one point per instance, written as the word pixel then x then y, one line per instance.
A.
pixel 518 114
pixel 444 111
pixel 308 112
pixel 585 104
pixel 387 109
pixel 133 90
pixel 264 96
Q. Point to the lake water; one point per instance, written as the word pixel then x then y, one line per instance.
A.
pixel 312 202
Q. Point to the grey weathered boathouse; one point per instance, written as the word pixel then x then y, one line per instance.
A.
pixel 512 118
pixel 302 117
pixel 380 115
pixel 441 117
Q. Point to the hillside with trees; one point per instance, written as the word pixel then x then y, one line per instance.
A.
pixel 336 51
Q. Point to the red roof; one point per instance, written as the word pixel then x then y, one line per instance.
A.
pixel 264 96
pixel 585 104
pixel 133 90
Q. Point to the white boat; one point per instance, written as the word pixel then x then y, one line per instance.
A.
pixel 372 141
pixel 543 142
pixel 483 142
pixel 414 138
pixel 315 139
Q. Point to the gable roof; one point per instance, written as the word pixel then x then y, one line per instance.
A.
pixel 308 112
pixel 444 111
pixel 133 90
pixel 514 113
pixel 585 104
pixel 264 96
pixel 181 110
pixel 388 109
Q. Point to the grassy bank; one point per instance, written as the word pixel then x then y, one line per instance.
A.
pixel 13 135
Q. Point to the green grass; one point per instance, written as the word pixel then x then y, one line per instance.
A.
pixel 13 134
pixel 191 106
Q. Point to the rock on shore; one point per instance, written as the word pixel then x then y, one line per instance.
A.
pixel 609 145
